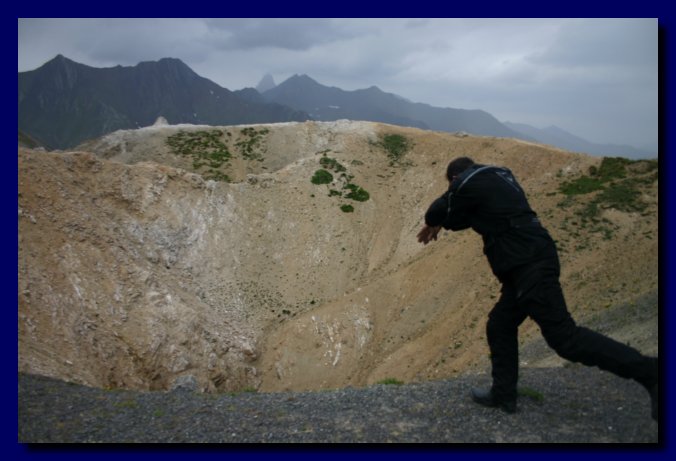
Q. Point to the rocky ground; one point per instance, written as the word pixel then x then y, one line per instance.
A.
pixel 136 270
pixel 556 405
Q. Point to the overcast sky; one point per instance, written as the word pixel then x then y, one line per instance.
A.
pixel 596 78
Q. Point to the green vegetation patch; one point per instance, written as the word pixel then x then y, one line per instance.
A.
pixel 583 185
pixel 207 150
pixel 357 193
pixel 531 393
pixel 331 164
pixel 617 183
pixel 251 147
pixel 348 190
pixel 618 188
pixel 623 196
pixel 322 177
pixel 396 147
pixel 611 169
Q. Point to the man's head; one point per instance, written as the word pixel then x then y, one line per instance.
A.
pixel 457 166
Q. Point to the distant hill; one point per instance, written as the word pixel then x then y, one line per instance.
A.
pixel 555 136
pixel 64 103
pixel 330 103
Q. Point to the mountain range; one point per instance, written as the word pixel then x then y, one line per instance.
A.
pixel 372 104
pixel 63 103
pixel 555 136
pixel 329 103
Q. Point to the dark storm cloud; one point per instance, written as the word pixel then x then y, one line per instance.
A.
pixel 109 42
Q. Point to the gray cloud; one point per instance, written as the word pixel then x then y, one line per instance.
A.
pixel 291 34
pixel 623 43
pixel 594 77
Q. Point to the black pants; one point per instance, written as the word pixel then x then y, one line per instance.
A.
pixel 534 291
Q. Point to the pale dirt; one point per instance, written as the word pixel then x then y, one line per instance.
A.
pixel 134 271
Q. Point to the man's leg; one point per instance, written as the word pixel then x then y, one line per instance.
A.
pixel 502 335
pixel 546 305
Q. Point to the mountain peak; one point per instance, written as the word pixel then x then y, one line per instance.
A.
pixel 297 82
pixel 168 66
pixel 303 78
pixel 166 62
pixel 266 83
pixel 373 90
pixel 60 60
pixel 172 61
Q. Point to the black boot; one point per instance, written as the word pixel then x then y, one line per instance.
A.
pixel 486 398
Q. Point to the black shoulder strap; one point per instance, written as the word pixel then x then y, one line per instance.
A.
pixel 467 175
pixel 462 180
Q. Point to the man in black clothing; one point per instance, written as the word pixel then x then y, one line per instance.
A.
pixel 523 256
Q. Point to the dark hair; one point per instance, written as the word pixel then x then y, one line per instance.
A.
pixel 457 166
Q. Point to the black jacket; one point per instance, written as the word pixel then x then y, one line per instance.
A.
pixel 490 200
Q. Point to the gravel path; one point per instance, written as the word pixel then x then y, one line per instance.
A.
pixel 570 404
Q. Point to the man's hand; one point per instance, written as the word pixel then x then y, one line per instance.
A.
pixel 428 233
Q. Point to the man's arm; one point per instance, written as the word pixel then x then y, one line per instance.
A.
pixel 437 212
pixel 438 216
pixel 434 219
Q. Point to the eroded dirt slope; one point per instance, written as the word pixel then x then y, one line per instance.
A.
pixel 135 270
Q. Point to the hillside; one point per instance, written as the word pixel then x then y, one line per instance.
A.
pixel 136 270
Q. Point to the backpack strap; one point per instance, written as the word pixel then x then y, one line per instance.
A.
pixel 467 175
pixel 463 178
